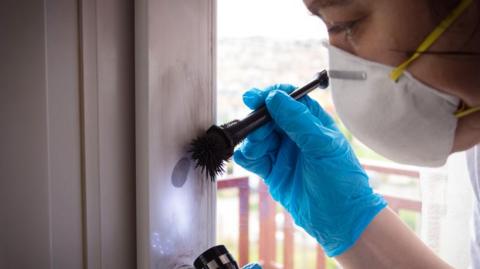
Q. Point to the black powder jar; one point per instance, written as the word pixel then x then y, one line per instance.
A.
pixel 216 257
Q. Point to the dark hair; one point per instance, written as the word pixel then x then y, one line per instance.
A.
pixel 441 8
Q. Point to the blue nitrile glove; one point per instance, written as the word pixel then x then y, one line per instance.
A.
pixel 310 168
pixel 252 266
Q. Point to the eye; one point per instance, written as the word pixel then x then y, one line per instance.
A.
pixel 341 27
pixel 347 27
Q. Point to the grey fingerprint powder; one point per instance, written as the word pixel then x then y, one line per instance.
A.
pixel 180 172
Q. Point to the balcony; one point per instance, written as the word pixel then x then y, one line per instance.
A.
pixel 276 237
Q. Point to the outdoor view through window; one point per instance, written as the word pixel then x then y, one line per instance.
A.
pixel 261 43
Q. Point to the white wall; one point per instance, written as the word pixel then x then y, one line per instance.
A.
pixel 67 139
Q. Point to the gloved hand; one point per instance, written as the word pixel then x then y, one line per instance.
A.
pixel 252 266
pixel 309 168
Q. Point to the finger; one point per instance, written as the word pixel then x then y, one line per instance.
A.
pixel 262 132
pixel 296 120
pixel 279 178
pixel 288 88
pixel 256 149
pixel 254 98
pixel 318 111
pixel 261 167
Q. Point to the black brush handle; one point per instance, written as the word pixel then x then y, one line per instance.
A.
pixel 239 129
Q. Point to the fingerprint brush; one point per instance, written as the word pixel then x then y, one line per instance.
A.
pixel 216 146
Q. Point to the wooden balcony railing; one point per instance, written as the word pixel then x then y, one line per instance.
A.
pixel 267 212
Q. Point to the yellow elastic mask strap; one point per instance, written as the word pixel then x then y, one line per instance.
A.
pixel 466 111
pixel 431 38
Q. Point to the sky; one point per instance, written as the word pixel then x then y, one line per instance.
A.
pixel 287 19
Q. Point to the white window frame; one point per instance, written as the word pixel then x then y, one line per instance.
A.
pixel 175 101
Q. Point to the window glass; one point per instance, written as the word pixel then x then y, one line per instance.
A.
pixel 262 43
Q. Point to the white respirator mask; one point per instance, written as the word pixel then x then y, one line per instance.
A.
pixel 392 112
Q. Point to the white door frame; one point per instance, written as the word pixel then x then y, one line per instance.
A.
pixel 107 108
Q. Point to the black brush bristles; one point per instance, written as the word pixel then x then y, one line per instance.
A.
pixel 211 150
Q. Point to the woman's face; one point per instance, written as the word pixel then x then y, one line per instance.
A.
pixel 377 30
pixel 388 31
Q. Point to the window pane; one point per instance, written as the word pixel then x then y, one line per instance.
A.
pixel 261 43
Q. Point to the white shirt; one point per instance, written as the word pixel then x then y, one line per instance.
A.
pixel 473 161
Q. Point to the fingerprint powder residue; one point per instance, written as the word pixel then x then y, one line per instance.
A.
pixel 180 172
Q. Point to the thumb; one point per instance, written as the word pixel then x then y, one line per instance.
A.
pixel 300 125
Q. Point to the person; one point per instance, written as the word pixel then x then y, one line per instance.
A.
pixel 416 101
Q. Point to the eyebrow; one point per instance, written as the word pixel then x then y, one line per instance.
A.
pixel 315 5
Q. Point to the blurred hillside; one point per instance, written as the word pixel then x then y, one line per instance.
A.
pixel 244 63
